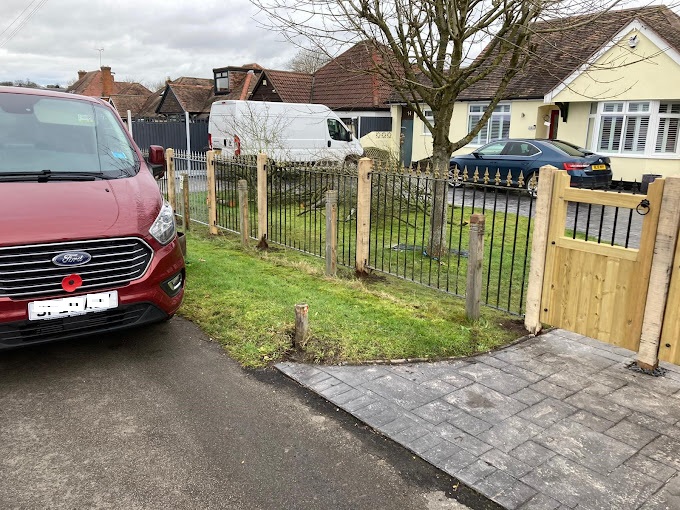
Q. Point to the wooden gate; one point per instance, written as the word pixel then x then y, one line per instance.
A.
pixel 595 288
pixel 669 349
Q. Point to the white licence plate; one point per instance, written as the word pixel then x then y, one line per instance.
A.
pixel 69 306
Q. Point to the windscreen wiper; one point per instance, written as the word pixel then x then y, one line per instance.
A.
pixel 49 175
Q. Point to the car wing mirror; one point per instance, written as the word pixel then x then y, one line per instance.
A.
pixel 157 161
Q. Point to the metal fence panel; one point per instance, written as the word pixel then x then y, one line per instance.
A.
pixel 170 134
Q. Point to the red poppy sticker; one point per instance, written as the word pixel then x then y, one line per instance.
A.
pixel 71 282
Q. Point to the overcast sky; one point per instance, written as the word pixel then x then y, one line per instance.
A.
pixel 143 40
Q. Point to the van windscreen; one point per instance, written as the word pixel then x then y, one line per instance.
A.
pixel 61 135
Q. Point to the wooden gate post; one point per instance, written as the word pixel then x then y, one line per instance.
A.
pixel 473 292
pixel 243 208
pixel 170 161
pixel 331 232
pixel 539 245
pixel 212 193
pixel 660 275
pixel 363 214
pixel 185 201
pixel 262 230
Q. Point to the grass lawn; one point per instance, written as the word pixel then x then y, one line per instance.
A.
pixel 245 299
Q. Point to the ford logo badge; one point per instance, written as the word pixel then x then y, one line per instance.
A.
pixel 72 258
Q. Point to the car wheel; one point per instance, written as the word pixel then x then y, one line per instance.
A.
pixel 531 184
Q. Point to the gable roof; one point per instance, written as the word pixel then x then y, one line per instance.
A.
pixel 292 87
pixel 92 84
pixel 124 102
pixel 558 54
pixel 348 81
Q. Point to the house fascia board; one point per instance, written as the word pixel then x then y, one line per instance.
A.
pixel 655 38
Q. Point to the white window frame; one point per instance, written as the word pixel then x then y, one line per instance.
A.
pixel 502 111
pixel 627 113
pixel 430 116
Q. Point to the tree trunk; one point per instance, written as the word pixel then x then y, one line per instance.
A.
pixel 438 247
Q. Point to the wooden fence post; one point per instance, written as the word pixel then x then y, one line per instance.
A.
pixel 539 246
pixel 331 232
pixel 301 325
pixel 185 196
pixel 363 214
pixel 660 275
pixel 262 230
pixel 473 292
pixel 170 161
pixel 212 193
pixel 243 208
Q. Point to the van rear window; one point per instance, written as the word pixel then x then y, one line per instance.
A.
pixel 62 135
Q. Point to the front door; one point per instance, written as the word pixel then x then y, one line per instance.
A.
pixel 406 136
pixel 554 123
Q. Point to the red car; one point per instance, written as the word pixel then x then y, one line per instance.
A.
pixel 87 243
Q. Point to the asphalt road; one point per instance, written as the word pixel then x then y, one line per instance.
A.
pixel 162 418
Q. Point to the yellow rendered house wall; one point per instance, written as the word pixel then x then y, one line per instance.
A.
pixel 625 73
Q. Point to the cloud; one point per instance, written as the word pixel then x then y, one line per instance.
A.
pixel 145 40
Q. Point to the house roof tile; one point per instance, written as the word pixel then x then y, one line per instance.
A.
pixel 291 87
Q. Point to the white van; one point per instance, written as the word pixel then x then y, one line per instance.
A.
pixel 283 131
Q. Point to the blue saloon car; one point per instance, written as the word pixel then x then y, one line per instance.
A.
pixel 526 156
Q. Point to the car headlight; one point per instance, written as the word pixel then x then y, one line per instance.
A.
pixel 163 229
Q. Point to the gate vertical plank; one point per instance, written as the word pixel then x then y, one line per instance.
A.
pixel 670 336
pixel 557 224
pixel 539 242
pixel 586 291
pixel 662 300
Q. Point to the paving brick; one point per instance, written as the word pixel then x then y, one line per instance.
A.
pixel 632 433
pixel 532 453
pixel 540 502
pixel 348 396
pixel 356 376
pixel 381 418
pixel 599 389
pixel 522 372
pixel 470 474
pixel 446 453
pixel 435 412
pixel 439 387
pixel 426 442
pixel 364 400
pixel 587 447
pixel 547 412
pixel 416 373
pixel 464 421
pixel 510 433
pixel 332 391
pixel 324 384
pixel 599 406
pixel 504 462
pixel 528 396
pixel 566 379
pixel 456 380
pixel 494 378
pixel 398 425
pixel 315 378
pixel 645 402
pixel 491 360
pixel 505 489
pixel 590 420
pixel 463 439
pixel 409 436
pixel 639 486
pixel 655 425
pixel 664 449
pixel 551 390
pixel 573 484
pixel 668 498
pixel 406 394
pixel 651 467
pixel 484 403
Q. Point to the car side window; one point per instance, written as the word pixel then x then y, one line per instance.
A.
pixel 520 149
pixel 493 149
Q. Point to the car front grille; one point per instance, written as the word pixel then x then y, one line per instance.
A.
pixel 28 271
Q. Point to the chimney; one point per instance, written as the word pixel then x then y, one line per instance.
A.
pixel 107 81
pixel 81 74
pixel 246 86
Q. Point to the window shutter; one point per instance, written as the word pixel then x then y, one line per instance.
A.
pixel 667 137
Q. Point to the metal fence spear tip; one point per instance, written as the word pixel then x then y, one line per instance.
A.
pixel 520 180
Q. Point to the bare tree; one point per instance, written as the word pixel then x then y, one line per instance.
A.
pixel 426 52
pixel 308 61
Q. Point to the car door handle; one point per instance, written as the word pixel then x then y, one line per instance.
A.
pixel 329 143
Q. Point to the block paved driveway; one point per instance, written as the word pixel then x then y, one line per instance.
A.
pixel 552 422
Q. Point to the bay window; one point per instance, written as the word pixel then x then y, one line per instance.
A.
pixel 642 128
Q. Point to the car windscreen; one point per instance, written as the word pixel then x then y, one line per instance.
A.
pixel 62 136
pixel 568 148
